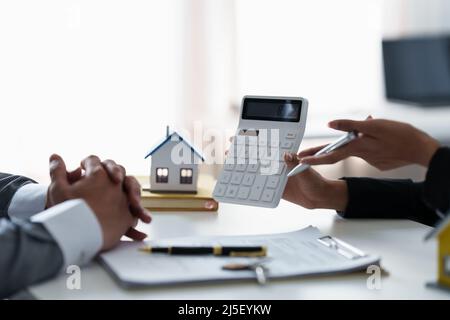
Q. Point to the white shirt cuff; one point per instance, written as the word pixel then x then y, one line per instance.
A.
pixel 75 228
pixel 27 201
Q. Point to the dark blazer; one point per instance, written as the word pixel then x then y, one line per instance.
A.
pixel 28 253
pixel 403 199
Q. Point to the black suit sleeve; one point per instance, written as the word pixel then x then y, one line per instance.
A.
pixel 402 199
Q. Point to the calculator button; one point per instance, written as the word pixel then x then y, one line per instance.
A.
pixel 230 159
pixel 280 168
pixel 287 144
pixel 231 191
pixel 264 162
pixel 243 192
pixel 241 167
pixel 248 179
pixel 244 153
pixel 274 152
pixel 266 168
pixel 240 151
pixel 272 181
pixel 252 141
pixel 253 167
pixel 236 178
pixel 241 161
pixel 290 135
pixel 274 143
pixel 252 152
pixel 240 140
pixel 262 141
pixel 232 151
pixel 225 177
pixel 258 187
pixel 267 154
pixel 273 168
pixel 228 166
pixel 267 195
pixel 220 189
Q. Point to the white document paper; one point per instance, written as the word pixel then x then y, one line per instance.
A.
pixel 290 254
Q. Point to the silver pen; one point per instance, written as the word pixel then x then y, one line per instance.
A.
pixel 330 147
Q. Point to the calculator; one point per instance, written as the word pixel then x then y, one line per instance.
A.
pixel 254 172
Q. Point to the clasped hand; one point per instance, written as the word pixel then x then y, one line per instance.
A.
pixel 113 196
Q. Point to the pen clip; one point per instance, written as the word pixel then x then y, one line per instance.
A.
pixel 341 247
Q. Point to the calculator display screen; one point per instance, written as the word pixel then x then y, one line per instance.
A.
pixel 271 109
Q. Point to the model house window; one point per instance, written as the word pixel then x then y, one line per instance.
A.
pixel 186 176
pixel 162 175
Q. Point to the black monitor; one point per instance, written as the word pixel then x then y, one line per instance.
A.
pixel 417 70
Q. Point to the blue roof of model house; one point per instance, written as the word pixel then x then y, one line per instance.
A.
pixel 170 137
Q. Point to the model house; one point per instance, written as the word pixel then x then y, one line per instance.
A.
pixel 442 234
pixel 174 165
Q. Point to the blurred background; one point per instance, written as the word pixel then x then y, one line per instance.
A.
pixel 106 76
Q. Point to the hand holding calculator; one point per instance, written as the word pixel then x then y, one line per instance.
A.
pixel 254 172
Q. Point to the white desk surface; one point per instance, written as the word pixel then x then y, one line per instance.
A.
pixel 409 261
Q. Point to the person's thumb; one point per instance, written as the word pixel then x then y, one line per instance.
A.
pixel 58 172
pixel 290 160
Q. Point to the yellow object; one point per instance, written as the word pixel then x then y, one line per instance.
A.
pixel 217 250
pixel 261 253
pixel 200 201
pixel 442 234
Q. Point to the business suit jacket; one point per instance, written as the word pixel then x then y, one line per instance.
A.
pixel 403 199
pixel 28 253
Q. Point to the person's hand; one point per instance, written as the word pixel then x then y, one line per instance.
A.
pixel 385 144
pixel 131 186
pixel 310 190
pixel 105 197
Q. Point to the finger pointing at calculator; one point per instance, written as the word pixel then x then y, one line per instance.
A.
pixel 383 143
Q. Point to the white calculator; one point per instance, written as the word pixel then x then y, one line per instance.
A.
pixel 254 171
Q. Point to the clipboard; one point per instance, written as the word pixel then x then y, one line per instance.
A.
pixel 293 254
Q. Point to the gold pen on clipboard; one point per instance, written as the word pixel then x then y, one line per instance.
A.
pixel 231 251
